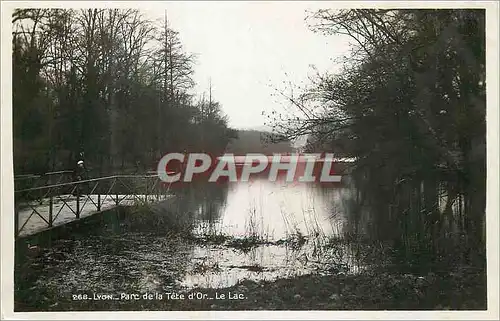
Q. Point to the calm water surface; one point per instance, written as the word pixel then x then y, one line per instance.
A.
pixel 277 210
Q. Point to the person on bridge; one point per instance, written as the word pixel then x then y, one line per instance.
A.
pixel 80 175
pixel 81 171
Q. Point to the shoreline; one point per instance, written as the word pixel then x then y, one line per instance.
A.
pixel 462 289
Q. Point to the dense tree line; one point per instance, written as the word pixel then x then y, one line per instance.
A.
pixel 254 141
pixel 410 104
pixel 108 83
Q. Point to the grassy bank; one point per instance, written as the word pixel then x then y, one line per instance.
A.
pixel 460 290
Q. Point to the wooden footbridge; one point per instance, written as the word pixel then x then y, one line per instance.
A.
pixel 52 199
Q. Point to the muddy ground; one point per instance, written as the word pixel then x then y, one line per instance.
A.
pixel 463 290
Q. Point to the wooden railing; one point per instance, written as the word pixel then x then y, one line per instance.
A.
pixel 75 196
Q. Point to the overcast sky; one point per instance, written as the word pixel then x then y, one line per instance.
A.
pixel 246 47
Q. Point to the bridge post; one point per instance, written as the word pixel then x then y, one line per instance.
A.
pixel 77 203
pixel 50 211
pixel 116 192
pixel 99 202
